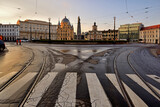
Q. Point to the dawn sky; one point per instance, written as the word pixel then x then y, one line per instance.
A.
pixel 90 11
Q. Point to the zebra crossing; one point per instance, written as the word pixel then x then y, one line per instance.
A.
pixel 67 95
pixel 156 78
pixel 96 91
pixel 40 89
pixel 16 86
pixel 6 77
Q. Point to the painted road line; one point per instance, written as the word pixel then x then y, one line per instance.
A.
pixel 13 88
pixel 156 89
pixel 6 77
pixel 74 62
pixel 154 77
pixel 67 95
pixel 96 91
pixel 40 89
pixel 137 101
pixel 59 67
pixel 112 78
pixel 135 78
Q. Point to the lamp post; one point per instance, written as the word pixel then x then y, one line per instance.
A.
pixel 128 38
pixel 114 29
pixel 30 33
pixel 49 30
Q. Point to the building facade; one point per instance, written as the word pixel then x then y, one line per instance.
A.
pixel 10 32
pixel 130 32
pixel 109 35
pixel 36 30
pixel 94 34
pixel 65 31
pixel 150 34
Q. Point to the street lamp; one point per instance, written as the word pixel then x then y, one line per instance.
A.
pixel 49 29
pixel 30 33
pixel 128 39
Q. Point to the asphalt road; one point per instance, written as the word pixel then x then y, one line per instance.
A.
pixel 79 75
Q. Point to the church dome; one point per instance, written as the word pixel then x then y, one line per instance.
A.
pixel 65 20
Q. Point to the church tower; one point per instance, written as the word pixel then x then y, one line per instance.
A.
pixel 94 27
pixel 79 29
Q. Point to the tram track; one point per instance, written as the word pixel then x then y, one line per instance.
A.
pixel 18 73
pixel 146 83
pixel 122 87
pixel 124 92
pixel 38 77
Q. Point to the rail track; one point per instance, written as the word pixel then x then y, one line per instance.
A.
pixel 34 83
pixel 124 92
pixel 18 73
pixel 150 87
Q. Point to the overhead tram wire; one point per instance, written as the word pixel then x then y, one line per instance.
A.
pixel 13 19
pixel 126 5
pixel 36 7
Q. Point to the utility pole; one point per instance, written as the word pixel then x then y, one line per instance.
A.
pixel 49 30
pixel 128 34
pixel 30 34
pixel 114 28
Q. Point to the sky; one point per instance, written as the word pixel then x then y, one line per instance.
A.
pixel 90 11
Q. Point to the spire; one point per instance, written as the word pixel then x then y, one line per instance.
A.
pixel 78 29
pixel 59 22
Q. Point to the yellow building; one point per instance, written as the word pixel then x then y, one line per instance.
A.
pixel 109 35
pixel 65 31
pixel 36 30
pixel 130 32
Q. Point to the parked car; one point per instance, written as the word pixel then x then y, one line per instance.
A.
pixel 24 40
pixel 2 45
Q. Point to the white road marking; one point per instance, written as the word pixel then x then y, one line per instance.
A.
pixel 156 89
pixel 74 62
pixel 59 67
pixel 6 77
pixel 13 88
pixel 67 96
pixel 112 78
pixel 137 101
pixel 96 91
pixel 135 78
pixel 154 77
pixel 40 89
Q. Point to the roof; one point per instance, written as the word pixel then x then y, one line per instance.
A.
pixel 65 20
pixel 109 30
pixel 33 22
pixel 151 27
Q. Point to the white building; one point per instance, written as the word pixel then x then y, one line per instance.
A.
pixel 150 34
pixel 10 32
